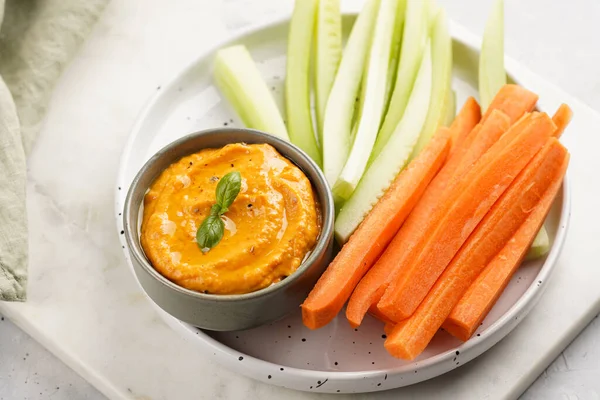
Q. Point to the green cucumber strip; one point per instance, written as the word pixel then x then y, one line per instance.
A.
pixel 540 245
pixel 414 39
pixel 395 54
pixel 342 103
pixel 328 50
pixel 394 157
pixel 297 83
pixel 492 75
pixel 441 58
pixel 449 108
pixel 372 107
pixel 239 80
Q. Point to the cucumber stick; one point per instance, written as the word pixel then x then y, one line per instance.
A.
pixel 375 78
pixel 449 108
pixel 441 58
pixel 239 80
pixel 414 38
pixel 337 125
pixel 328 50
pixel 395 53
pixel 540 245
pixel 492 75
pixel 384 169
pixel 297 83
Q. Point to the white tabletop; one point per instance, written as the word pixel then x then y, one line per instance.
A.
pixel 556 39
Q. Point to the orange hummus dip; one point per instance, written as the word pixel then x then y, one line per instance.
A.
pixel 271 226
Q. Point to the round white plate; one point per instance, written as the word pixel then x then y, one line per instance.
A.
pixel 336 358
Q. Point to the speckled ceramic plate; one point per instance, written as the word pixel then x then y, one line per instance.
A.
pixel 336 358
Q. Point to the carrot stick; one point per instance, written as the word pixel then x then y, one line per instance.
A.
pixel 388 328
pixel 372 236
pixel 483 293
pixel 461 212
pixel 561 119
pixel 378 315
pixel 464 122
pixel 386 269
pixel 512 100
pixel 411 336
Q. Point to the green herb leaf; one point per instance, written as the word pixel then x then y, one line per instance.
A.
pixel 216 209
pixel 210 232
pixel 227 190
pixel 212 228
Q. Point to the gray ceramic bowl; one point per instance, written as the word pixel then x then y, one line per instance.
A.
pixel 227 312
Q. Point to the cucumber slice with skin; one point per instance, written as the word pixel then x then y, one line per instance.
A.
pixel 328 50
pixel 449 108
pixel 297 82
pixel 492 75
pixel 441 58
pixel 394 157
pixel 395 53
pixel 342 103
pixel 414 38
pixel 372 107
pixel 540 245
pixel 239 80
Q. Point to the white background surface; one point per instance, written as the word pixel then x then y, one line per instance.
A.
pixel 556 39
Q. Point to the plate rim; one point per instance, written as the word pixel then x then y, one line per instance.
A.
pixel 227 356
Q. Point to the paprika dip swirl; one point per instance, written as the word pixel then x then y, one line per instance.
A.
pixel 271 226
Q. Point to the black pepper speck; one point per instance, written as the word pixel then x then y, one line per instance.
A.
pixel 379 384
pixel 457 352
pixel 335 363
pixel 240 358
pixel 122 232
pixel 281 369
pixel 269 376
pixel 303 339
pixel 383 336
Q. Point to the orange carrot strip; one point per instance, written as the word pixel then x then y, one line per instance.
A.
pixel 411 336
pixel 372 236
pixel 377 314
pixel 483 293
pixel 461 212
pixel 375 282
pixel 512 100
pixel 464 122
pixel 561 118
pixel 388 328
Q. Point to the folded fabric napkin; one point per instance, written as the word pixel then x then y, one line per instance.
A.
pixel 37 39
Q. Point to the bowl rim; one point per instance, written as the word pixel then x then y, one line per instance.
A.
pixel 325 199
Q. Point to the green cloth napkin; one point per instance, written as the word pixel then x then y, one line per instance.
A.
pixel 37 39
